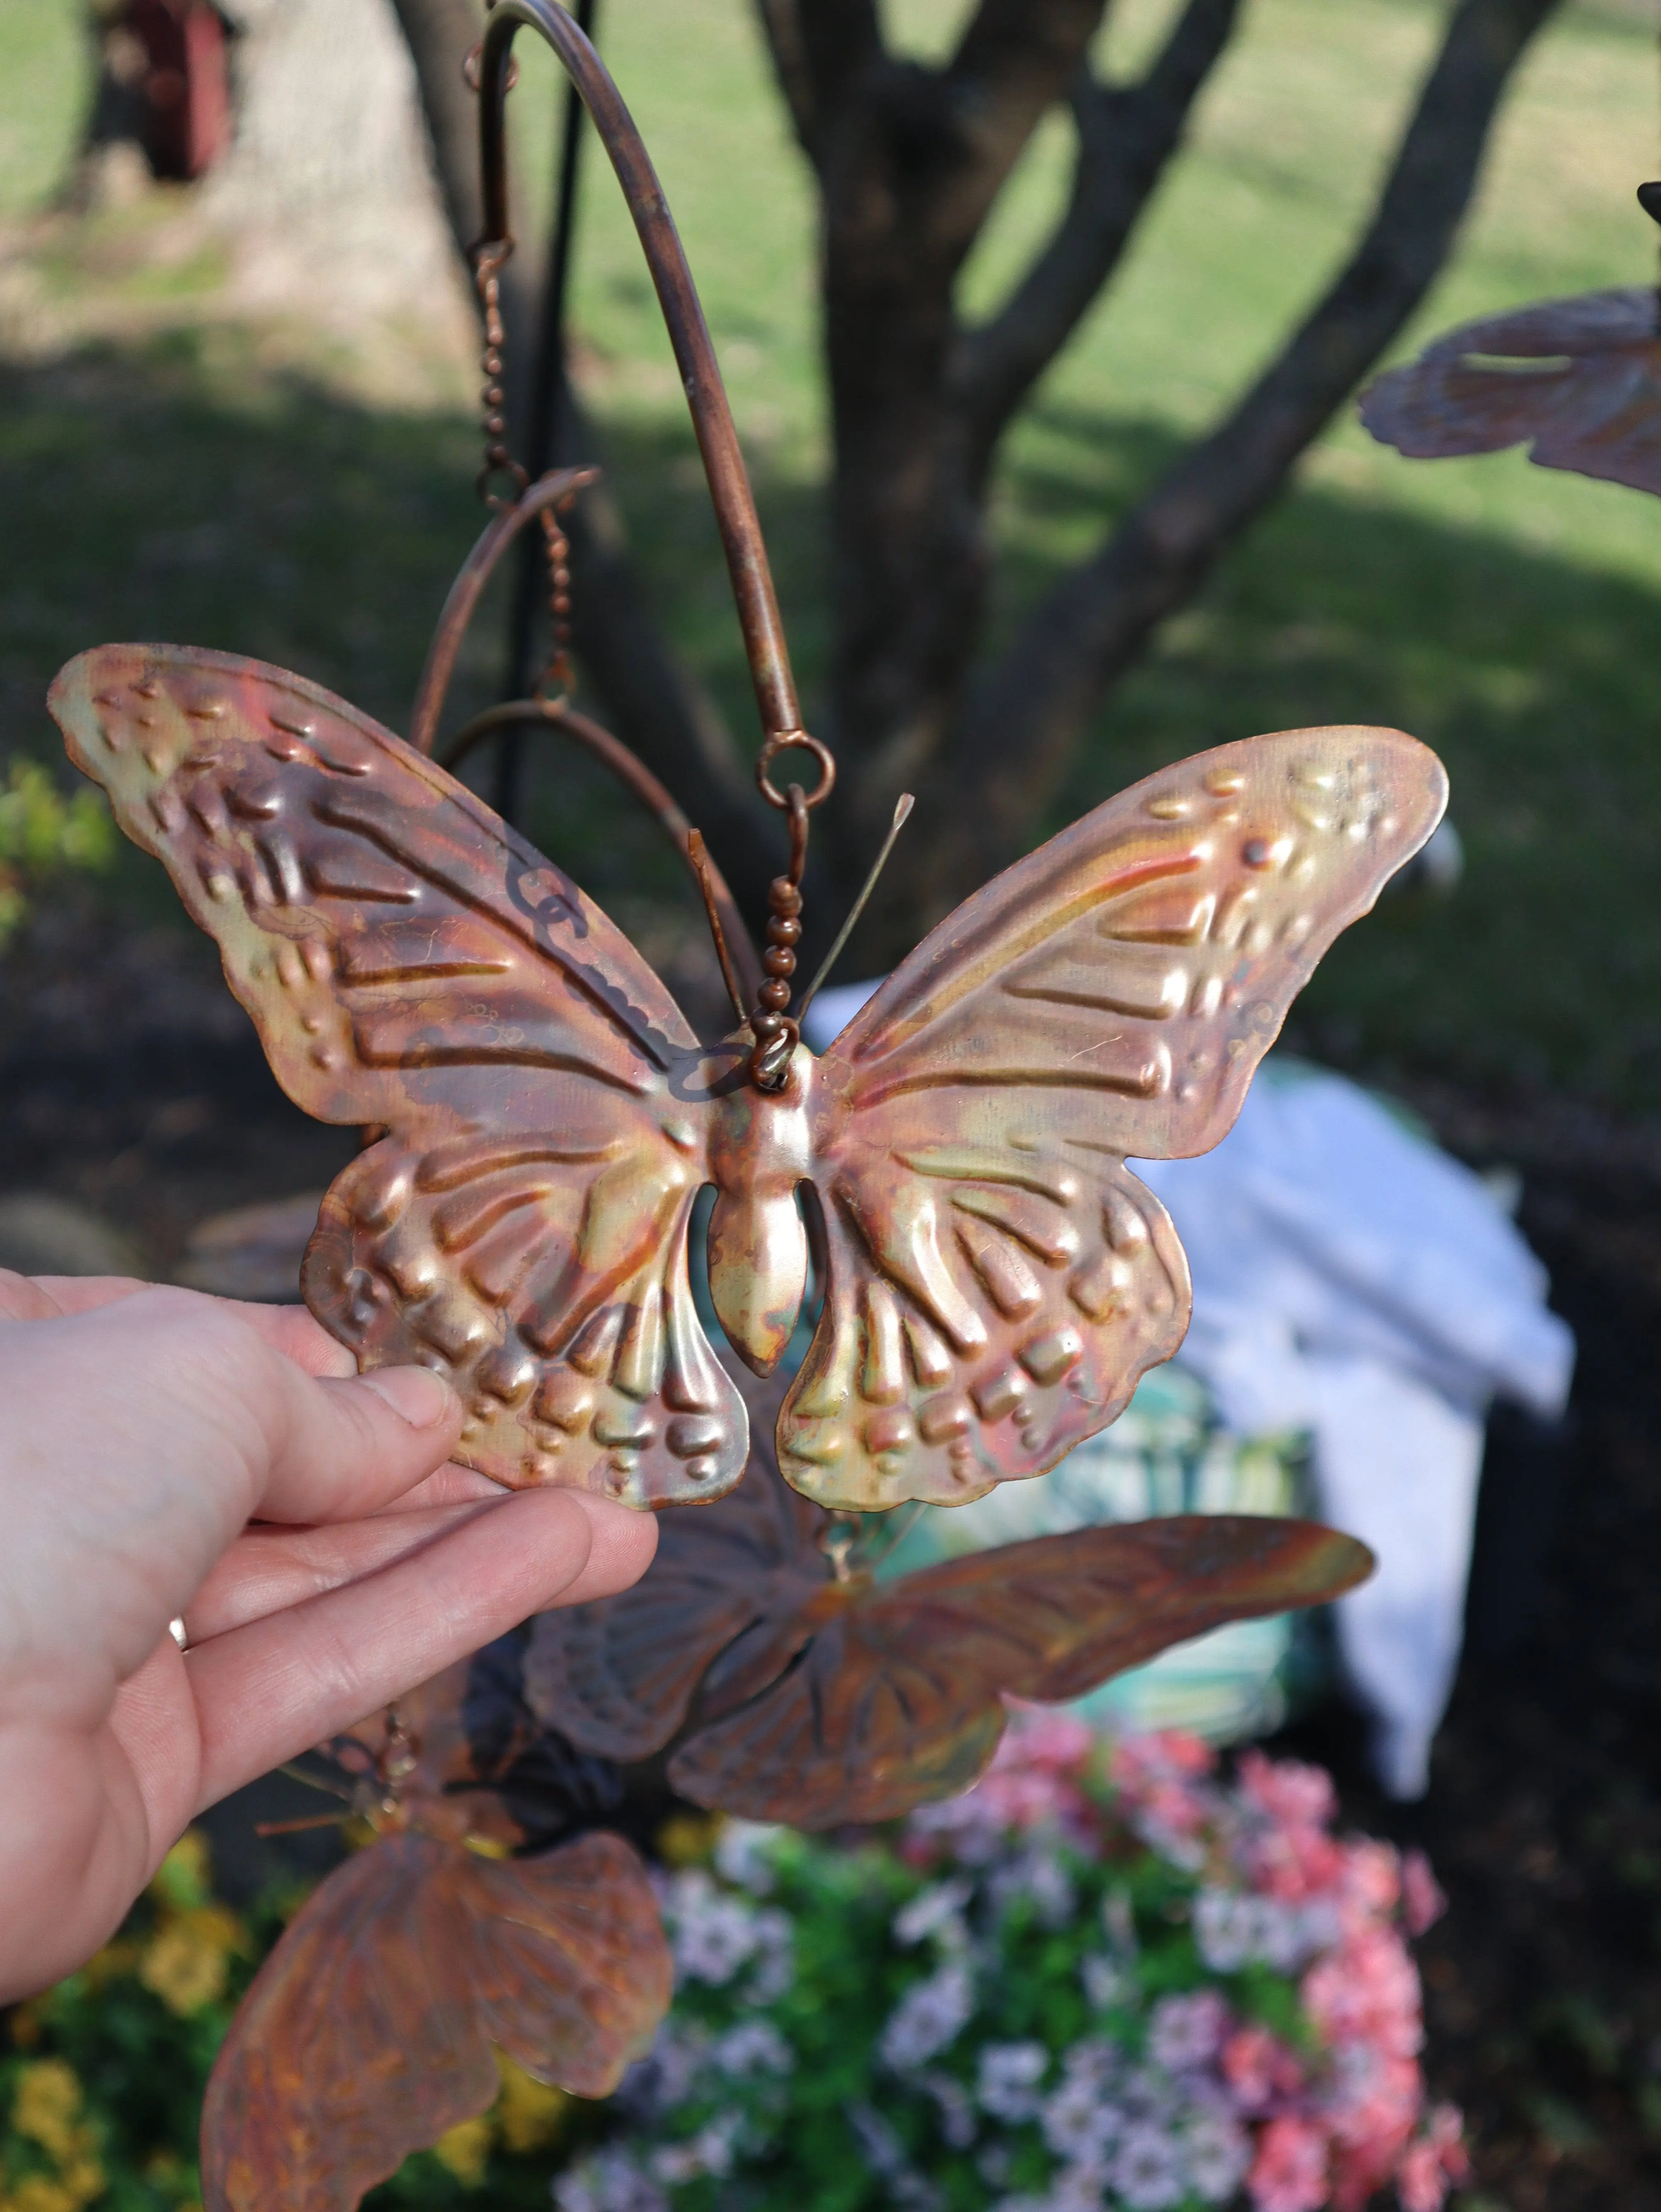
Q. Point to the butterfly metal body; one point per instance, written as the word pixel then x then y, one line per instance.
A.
pixel 996 1278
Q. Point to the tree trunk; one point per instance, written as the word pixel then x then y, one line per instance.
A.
pixel 910 159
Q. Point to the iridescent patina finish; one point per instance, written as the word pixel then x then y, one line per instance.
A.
pixel 372 2027
pixel 994 1279
pixel 1577 380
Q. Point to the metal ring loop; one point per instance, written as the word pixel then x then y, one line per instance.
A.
pixel 784 741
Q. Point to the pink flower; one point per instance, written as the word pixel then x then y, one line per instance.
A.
pixel 1258 2069
pixel 1367 1991
pixel 1302 1797
pixel 1423 1902
pixel 1421 2183
pixel 1289 2173
pixel 1372 1877
pixel 1044 1735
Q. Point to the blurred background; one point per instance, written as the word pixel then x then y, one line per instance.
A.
pixel 237 410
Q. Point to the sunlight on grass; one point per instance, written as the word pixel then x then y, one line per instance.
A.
pixel 1510 616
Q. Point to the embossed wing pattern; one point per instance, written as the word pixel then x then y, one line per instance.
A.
pixel 990 1304
pixel 409 961
pixel 368 2031
pixel 997 1278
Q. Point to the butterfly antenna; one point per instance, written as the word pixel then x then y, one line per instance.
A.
pixel 297 1827
pixel 700 860
pixel 901 811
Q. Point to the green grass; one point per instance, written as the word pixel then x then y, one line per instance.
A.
pixel 187 486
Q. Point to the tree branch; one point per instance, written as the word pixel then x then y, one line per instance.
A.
pixel 1127 133
pixel 1027 714
pixel 1015 61
pixel 781 26
pixel 821 49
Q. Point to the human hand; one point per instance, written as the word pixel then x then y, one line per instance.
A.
pixel 168 1455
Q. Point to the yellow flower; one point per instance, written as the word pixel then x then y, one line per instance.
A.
pixel 36 2194
pixel 186 1960
pixel 47 2106
pixel 185 1877
pixel 529 2113
pixel 466 2151
pixel 108 1964
pixel 686 1840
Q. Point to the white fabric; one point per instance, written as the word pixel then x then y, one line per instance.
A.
pixel 1352 1280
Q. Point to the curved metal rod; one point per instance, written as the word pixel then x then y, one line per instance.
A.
pixel 475 574
pixel 612 753
pixel 706 396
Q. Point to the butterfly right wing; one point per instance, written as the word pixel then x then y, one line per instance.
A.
pixel 998 1278
pixel 1577 380
pixel 898 1699
pixel 367 2032
pixel 409 962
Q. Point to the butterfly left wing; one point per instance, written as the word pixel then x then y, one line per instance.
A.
pixel 367 2034
pixel 998 1279
pixel 896 1698
pixel 618 1677
pixel 409 962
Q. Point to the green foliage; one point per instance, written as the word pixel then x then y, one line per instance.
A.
pixel 42 833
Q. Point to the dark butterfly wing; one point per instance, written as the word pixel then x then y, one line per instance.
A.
pixel 618 1677
pixel 998 1278
pixel 1577 380
pixel 409 962
pixel 896 1698
pixel 367 2032
pixel 570 1972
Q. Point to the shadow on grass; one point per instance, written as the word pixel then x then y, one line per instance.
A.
pixel 176 490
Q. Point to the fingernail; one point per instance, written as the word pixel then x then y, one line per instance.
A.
pixel 415 1396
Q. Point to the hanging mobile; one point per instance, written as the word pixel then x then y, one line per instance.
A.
pixel 995 1277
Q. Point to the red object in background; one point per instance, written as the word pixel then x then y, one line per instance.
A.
pixel 185 86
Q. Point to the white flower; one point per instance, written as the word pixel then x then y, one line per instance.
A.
pixel 743 1855
pixel 1037 1877
pixel 1234 1930
pixel 956 2112
pixel 666 2076
pixel 776 1956
pixel 1094 2060
pixel 1217 2152
pixel 936 1911
pixel 714 1934
pixel 884 2155
pixel 928 2018
pixel 754 2046
pixel 1079 2120
pixel 1186 2032
pixel 1105 1984
pixel 1080 2188
pixel 1120 1921
pixel 709 2152
pixel 1148 2170
pixel 1007 2082
pixel 609 2181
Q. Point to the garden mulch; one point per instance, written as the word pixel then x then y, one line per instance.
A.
pixel 130 1083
